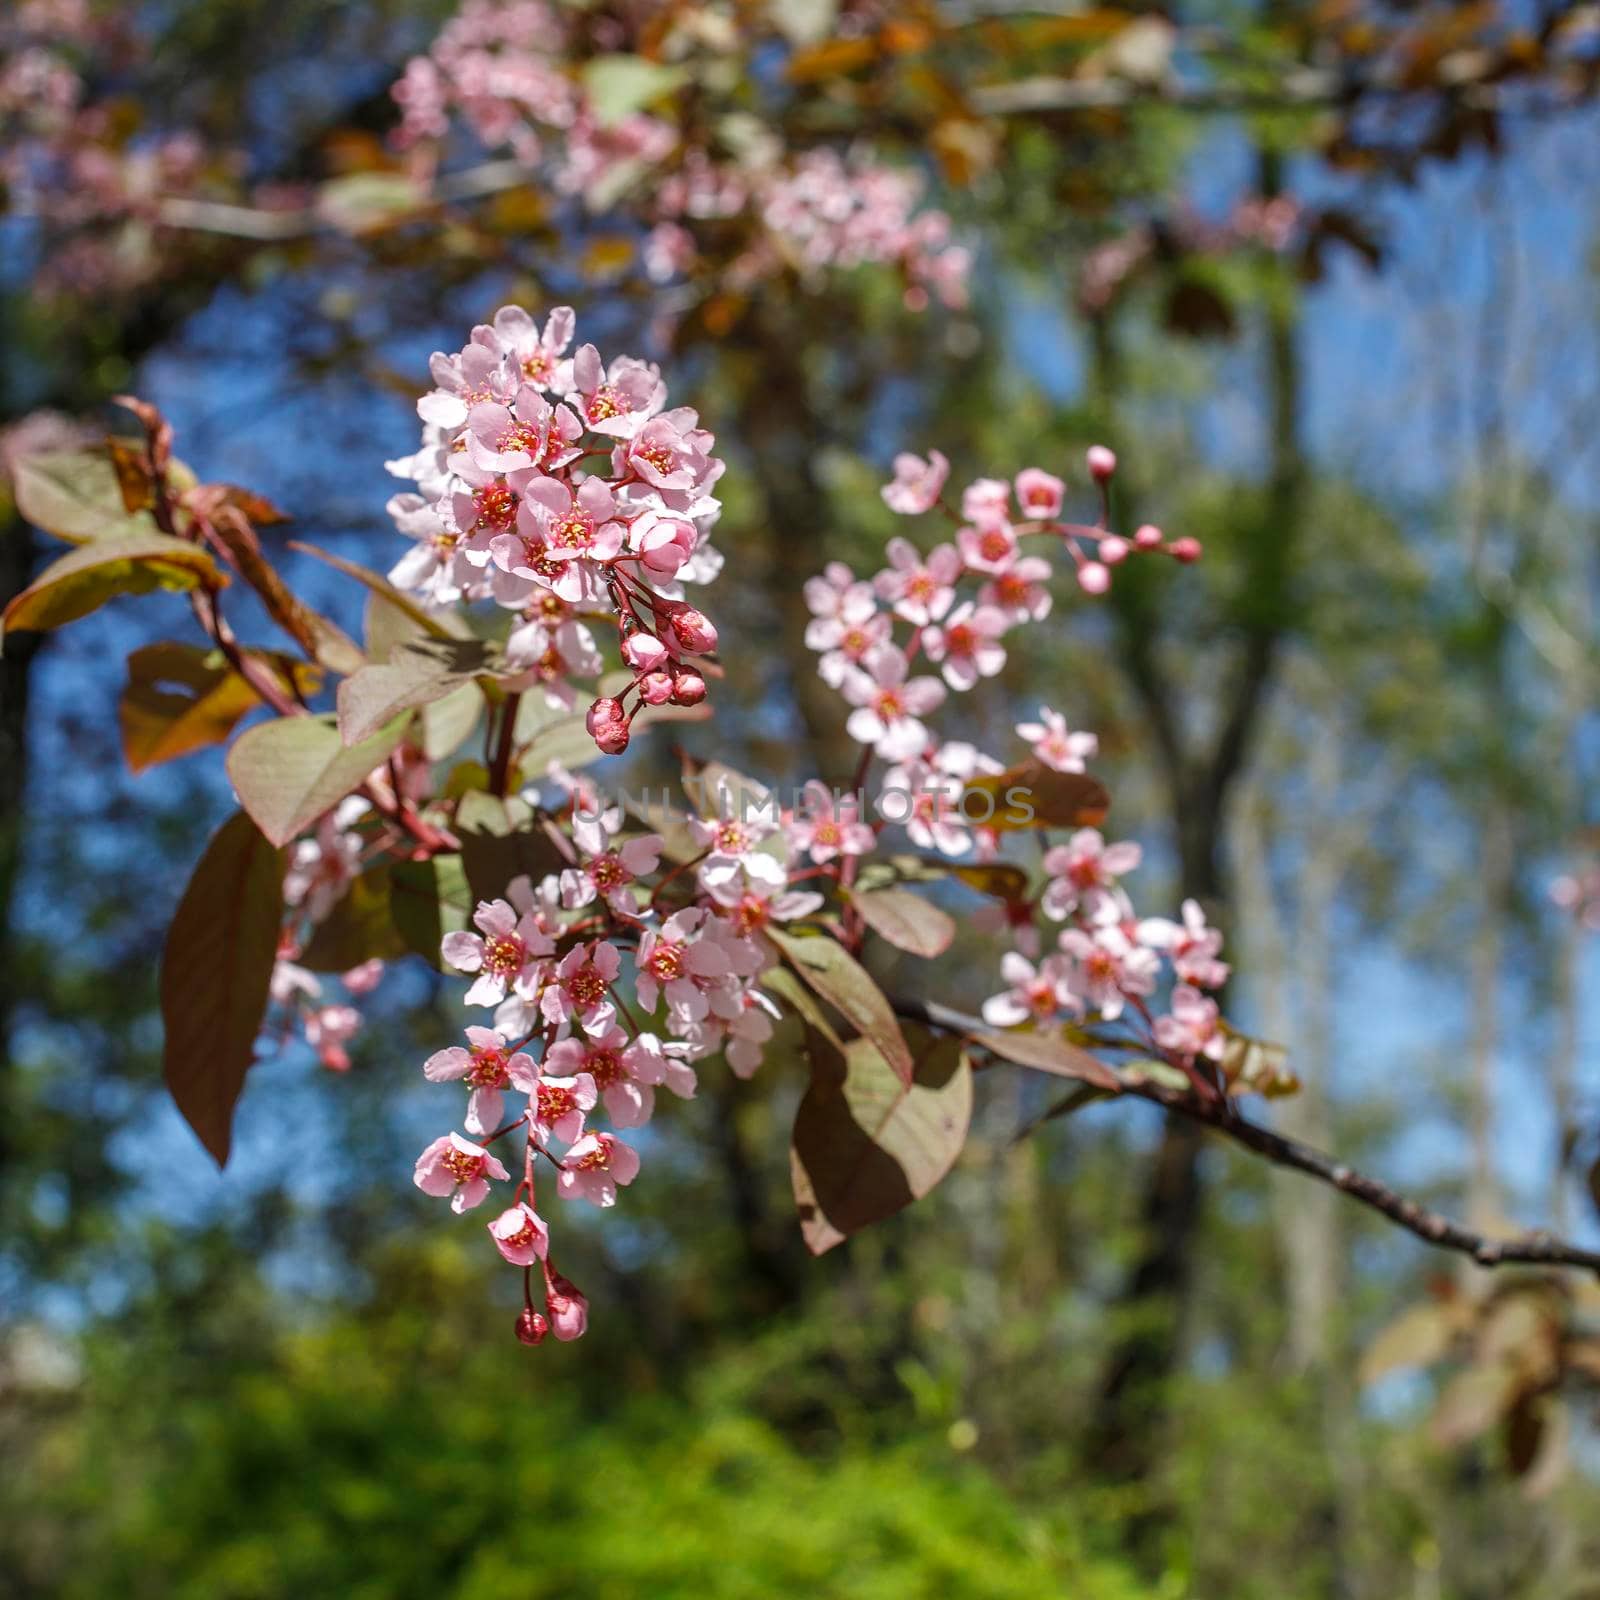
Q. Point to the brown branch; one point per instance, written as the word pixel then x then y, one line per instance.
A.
pixel 1432 1227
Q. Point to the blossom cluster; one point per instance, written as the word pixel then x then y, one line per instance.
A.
pixel 503 72
pixel 71 161
pixel 559 486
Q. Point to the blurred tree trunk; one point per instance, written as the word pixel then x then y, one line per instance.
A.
pixel 1125 1433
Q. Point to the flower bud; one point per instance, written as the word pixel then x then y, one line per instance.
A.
pixel 655 688
pixel 643 651
pixel 1102 462
pixel 1093 578
pixel 611 737
pixel 604 712
pixel 569 1311
pixel 689 689
pixel 693 630
pixel 1185 550
pixel 532 1327
pixel 1113 550
pixel 1148 537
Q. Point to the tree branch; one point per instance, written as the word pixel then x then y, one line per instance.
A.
pixel 1432 1227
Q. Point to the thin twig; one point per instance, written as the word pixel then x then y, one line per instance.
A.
pixel 1533 1249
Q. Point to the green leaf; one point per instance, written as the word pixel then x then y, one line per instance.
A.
pixel 360 926
pixel 417 672
pixel 907 921
pixel 1048 1052
pixel 74 494
pixel 834 974
pixel 427 900
pixel 1258 1064
pixel 619 85
pixel 289 771
pixel 83 580
pixel 215 973
pixel 447 724
pixel 867 1141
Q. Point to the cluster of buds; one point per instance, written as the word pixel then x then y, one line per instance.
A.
pixel 560 487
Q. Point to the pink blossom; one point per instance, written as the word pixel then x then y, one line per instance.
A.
pixel 678 960
pixel 1020 591
pixel 569 1311
pixel 847 645
pixel 1039 495
pixel 488 1067
pixel 536 353
pixel 888 706
pixel 1192 946
pixel 837 596
pixel 967 644
pixel 1034 994
pixel 920 588
pixel 507 954
pixel 327 1030
pixel 557 1105
pixel 1107 967
pixel 1193 1027
pixel 617 400
pixel 520 1235
pixel 1056 745
pixel 1083 870
pixel 594 1166
pixel 456 1167
pixel 608 867
pixel 580 988
pixel 991 547
pixel 987 502
pixel 916 484
pixel 827 826
pixel 623 1072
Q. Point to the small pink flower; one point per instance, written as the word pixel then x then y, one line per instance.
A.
pixel 623 1072
pixel 1083 871
pixel 1020 591
pixel 488 1067
pixel 1039 494
pixel 569 1311
pixel 1055 744
pixel 1035 994
pixel 1192 946
pixel 558 1105
pixel 608 868
pixel 988 547
pixel 580 988
pixel 520 1235
pixel 920 588
pixel 916 484
pixel 505 953
pixel 888 706
pixel 327 1029
pixel 618 400
pixel 456 1167
pixel 1107 967
pixel 967 644
pixel 1193 1028
pixel 827 826
pixel 594 1166
pixel 677 960
pixel 537 354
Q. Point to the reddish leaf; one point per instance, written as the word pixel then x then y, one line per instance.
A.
pixel 866 1141
pixel 907 921
pixel 832 972
pixel 214 976
pixel 360 927
pixel 1032 795
pixel 1046 1052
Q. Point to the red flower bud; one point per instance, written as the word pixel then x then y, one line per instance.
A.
pixel 1148 537
pixel 603 713
pixel 1185 550
pixel 694 631
pixel 689 689
pixel 1113 551
pixel 655 688
pixel 532 1327
pixel 1102 462
pixel 1094 578
pixel 612 737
